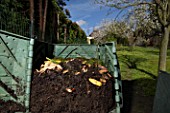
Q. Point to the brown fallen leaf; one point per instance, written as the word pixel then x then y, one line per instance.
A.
pixel 95 82
pixel 102 71
pixel 49 65
pixel 84 68
pixel 101 67
pixel 102 80
pixel 109 75
pixel 65 71
pixel 89 65
pixel 69 90
pixel 105 76
pixel 58 67
pixel 77 73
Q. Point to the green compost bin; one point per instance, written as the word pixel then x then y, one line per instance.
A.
pixel 17 59
pixel 16 53
pixel 104 52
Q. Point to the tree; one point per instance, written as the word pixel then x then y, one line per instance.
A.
pixel 13 17
pixel 44 19
pixel 40 19
pixel 119 31
pixel 39 16
pixel 161 9
pixel 59 16
pixel 31 18
pixel 163 14
pixel 68 13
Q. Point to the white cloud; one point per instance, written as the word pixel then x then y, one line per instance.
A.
pixel 81 22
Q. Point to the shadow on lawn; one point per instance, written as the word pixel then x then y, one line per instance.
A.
pixel 138 95
pixel 132 63
pixel 127 87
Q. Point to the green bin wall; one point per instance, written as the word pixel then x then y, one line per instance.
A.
pixel 87 51
pixel 16 54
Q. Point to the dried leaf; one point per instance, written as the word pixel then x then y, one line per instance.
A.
pixel 84 68
pixel 103 71
pixel 65 71
pixel 58 67
pixel 109 75
pixel 102 67
pixel 69 90
pixel 50 65
pixel 84 62
pixel 95 82
pixel 77 73
pixel 102 80
pixel 105 76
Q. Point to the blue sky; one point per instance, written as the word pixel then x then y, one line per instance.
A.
pixel 88 14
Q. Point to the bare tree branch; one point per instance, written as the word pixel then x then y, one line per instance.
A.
pixel 117 6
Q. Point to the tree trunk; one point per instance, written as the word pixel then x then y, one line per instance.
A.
pixel 58 23
pixel 32 18
pixel 163 49
pixel 44 19
pixel 40 19
pixel 53 39
pixel 65 34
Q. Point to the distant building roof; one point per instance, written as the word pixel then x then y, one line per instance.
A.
pixel 89 37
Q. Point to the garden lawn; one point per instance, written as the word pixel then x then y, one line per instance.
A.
pixel 140 64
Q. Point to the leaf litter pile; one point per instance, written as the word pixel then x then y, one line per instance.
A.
pixel 72 85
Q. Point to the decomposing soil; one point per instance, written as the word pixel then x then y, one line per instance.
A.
pixel 10 107
pixel 69 91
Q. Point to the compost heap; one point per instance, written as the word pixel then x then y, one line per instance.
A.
pixel 72 85
pixel 10 107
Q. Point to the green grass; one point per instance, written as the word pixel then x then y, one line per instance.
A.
pixel 141 63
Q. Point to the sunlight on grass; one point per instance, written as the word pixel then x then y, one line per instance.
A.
pixel 141 64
